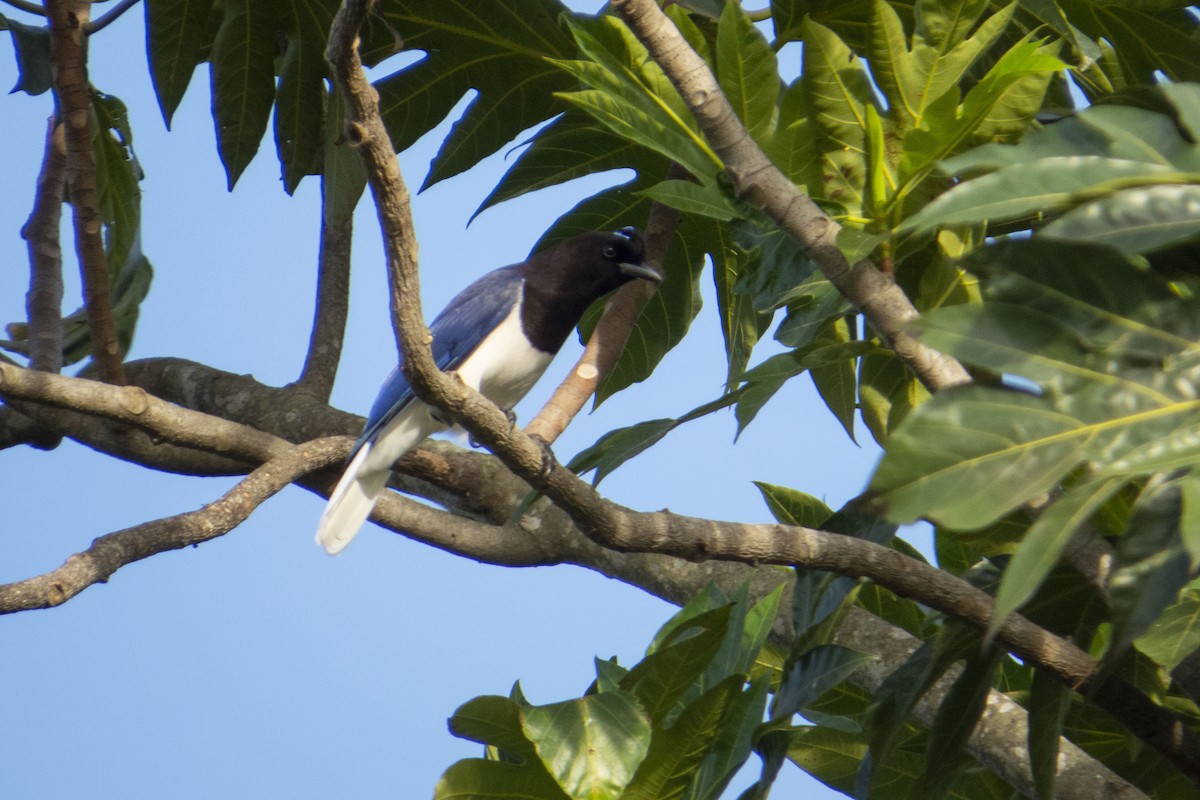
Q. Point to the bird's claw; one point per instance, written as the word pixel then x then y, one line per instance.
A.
pixel 549 462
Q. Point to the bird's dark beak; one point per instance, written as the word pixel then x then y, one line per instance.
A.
pixel 643 271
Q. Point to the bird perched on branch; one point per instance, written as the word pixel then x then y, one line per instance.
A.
pixel 499 334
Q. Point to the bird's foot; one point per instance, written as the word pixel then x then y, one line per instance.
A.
pixel 549 462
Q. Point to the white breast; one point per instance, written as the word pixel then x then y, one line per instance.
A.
pixel 505 366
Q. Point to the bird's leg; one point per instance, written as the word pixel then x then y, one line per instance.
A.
pixel 512 422
pixel 440 416
pixel 548 459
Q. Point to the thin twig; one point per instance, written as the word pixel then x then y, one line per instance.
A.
pixel 112 551
pixel 332 307
pixel 27 7
pixel 109 17
pixel 68 54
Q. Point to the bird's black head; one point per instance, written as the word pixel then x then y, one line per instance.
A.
pixel 563 280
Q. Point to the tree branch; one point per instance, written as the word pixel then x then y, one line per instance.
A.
pixel 760 183
pixel 332 307
pixel 43 303
pixel 112 551
pixel 67 21
pixel 27 6
pixel 109 17
pixel 548 537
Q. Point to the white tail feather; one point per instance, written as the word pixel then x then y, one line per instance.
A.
pixel 366 477
pixel 350 504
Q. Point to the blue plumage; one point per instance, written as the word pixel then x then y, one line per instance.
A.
pixel 499 334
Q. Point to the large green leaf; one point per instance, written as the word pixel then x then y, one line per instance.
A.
pixel 747 71
pixel 570 147
pixel 500 49
pixel 628 94
pixel 31 43
pixel 676 753
pixel 243 82
pixel 1086 347
pixel 178 34
pixel 591 746
pixel 838 91
pixel 496 722
pixel 1124 175
pixel 300 101
pixel 1135 220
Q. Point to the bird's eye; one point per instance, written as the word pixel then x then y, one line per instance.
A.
pixel 609 251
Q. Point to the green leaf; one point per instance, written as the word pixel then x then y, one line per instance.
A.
pixel 760 383
pixel 243 83
pixel 300 105
pixel 1006 447
pixel 494 721
pixel 813 673
pixel 742 325
pixel 572 146
pixel 793 507
pixel 676 753
pixel 672 669
pixel 837 93
pixel 1151 566
pixel 500 49
pixel 618 446
pixel 1049 700
pixel 591 746
pixel 178 33
pixel 747 71
pixel 1134 220
pixel 35 72
pixel 693 198
pixel 837 381
pixel 1176 634
pixel 1029 190
pixel 344 177
pixel 478 779
pixel 955 719
pixel 1045 542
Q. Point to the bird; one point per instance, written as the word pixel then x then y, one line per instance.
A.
pixel 499 335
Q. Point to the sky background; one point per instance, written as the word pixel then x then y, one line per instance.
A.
pixel 255 665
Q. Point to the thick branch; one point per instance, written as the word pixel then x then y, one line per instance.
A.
pixel 332 308
pixel 757 181
pixel 110 552
pixel 67 21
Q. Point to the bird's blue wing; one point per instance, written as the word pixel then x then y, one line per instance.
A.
pixel 458 329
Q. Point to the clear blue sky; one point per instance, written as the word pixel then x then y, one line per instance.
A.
pixel 255 665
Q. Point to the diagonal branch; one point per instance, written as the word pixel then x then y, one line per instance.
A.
pixel 69 56
pixel 112 551
pixel 760 183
